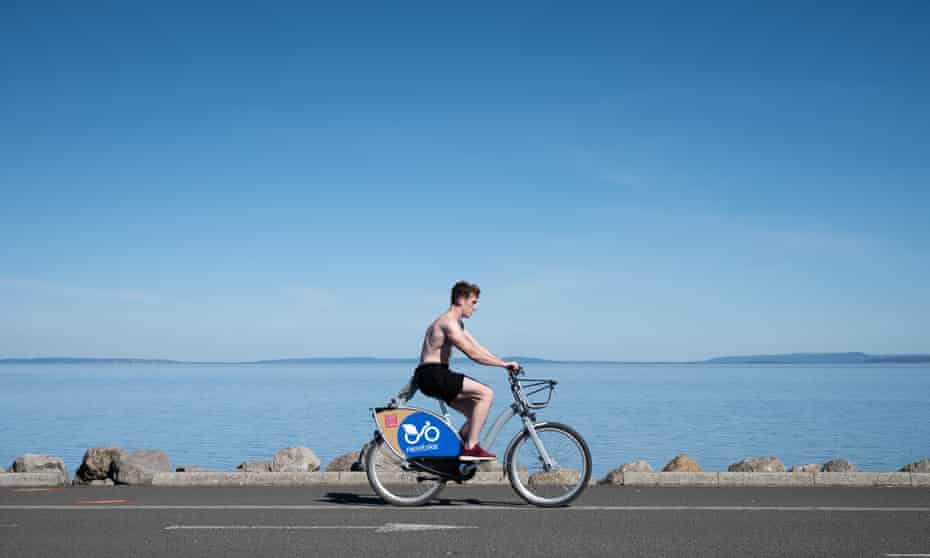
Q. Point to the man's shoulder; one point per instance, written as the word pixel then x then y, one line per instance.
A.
pixel 447 321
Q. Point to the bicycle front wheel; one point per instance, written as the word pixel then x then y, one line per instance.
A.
pixel 571 465
pixel 396 485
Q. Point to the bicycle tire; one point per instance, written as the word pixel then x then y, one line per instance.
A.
pixel 532 489
pixel 393 485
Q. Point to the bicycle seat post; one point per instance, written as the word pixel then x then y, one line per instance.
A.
pixel 445 411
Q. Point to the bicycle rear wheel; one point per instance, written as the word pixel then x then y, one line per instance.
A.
pixel 571 470
pixel 393 483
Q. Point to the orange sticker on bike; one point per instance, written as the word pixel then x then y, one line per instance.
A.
pixel 388 423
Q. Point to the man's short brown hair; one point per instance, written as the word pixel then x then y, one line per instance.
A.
pixel 464 289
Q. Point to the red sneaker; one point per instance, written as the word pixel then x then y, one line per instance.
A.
pixel 476 453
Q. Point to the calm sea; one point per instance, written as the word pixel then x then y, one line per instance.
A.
pixel 877 416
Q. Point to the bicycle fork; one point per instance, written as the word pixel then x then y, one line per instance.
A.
pixel 547 462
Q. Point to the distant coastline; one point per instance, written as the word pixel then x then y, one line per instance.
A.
pixel 788 358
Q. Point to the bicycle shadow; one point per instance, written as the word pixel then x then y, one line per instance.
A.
pixel 348 498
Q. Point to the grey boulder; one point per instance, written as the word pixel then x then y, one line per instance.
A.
pixel 636 467
pixel 295 460
pixel 758 465
pixel 839 466
pixel 562 477
pixel 34 463
pixel 255 467
pixel 922 466
pixel 139 467
pixel 615 477
pixel 682 464
pixel 97 463
pixel 809 468
pixel 348 462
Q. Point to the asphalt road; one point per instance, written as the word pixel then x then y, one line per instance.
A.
pixel 352 521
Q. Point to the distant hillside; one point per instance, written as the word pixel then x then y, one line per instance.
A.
pixel 334 360
pixel 820 358
pixel 71 360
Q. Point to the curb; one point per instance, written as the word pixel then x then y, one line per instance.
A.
pixel 668 479
pixel 717 480
pixel 32 479
pixel 297 479
pixel 723 480
pixel 257 479
pixel 920 480
pixel 863 479
pixel 766 479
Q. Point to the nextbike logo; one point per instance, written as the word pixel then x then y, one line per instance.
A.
pixel 424 435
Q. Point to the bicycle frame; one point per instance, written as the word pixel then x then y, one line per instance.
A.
pixel 521 406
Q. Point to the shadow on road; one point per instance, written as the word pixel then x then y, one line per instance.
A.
pixel 349 498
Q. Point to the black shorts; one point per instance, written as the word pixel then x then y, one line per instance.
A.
pixel 436 380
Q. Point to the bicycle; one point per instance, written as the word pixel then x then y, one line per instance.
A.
pixel 548 463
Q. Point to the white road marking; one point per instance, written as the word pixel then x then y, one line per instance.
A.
pixel 386 528
pixel 262 527
pixel 394 527
pixel 902 555
pixel 469 507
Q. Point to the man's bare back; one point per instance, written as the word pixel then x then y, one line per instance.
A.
pixel 437 346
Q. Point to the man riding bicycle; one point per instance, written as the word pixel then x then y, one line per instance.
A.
pixel 463 393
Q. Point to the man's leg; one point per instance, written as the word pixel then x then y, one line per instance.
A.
pixel 466 407
pixel 478 397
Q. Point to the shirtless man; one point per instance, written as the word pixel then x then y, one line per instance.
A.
pixel 462 393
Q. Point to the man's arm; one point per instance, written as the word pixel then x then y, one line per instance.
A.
pixel 472 349
pixel 475 341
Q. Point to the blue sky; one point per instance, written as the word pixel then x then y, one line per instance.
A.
pixel 266 180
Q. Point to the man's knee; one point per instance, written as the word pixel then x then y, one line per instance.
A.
pixel 487 393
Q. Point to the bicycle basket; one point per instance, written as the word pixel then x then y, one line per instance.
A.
pixel 541 388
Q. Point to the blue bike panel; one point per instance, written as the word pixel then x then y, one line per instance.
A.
pixel 425 435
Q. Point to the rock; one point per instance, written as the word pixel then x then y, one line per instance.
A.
pixel 615 477
pixel 636 467
pixel 295 460
pixel 758 465
pixel 97 463
pixel 809 468
pixel 3 470
pixel 255 467
pixel 139 467
pixel 33 463
pixel 191 469
pixel 839 466
pixel 922 466
pixel 565 476
pixel 682 464
pixel 348 462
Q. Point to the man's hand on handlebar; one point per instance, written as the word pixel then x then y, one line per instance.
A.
pixel 514 368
